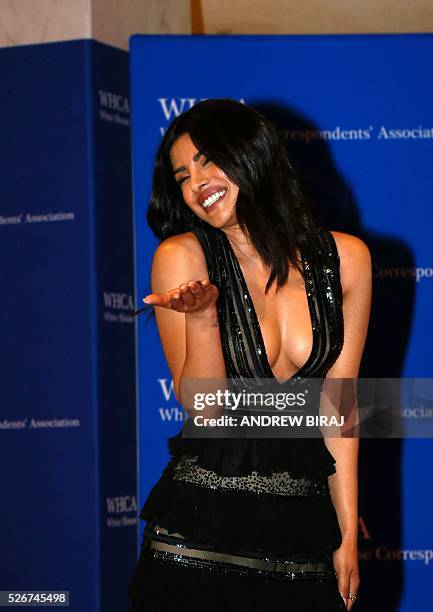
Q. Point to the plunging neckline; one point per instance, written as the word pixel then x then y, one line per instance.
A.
pixel 256 322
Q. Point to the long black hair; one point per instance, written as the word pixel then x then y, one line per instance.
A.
pixel 271 207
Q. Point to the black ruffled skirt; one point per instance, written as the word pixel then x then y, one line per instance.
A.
pixel 230 499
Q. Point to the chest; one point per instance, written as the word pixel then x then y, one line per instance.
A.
pixel 284 319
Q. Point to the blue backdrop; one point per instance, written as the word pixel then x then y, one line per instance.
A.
pixel 67 393
pixel 356 111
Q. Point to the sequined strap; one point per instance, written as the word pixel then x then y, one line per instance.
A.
pixel 279 483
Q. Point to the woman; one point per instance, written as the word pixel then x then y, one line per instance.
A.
pixel 246 286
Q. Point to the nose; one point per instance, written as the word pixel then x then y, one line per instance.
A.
pixel 199 179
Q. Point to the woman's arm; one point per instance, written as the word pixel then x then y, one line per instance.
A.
pixel 356 281
pixel 190 340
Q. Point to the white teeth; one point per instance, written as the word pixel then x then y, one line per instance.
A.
pixel 213 198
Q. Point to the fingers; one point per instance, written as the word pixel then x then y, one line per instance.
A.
pixel 157 299
pixel 353 590
pixel 348 584
pixel 343 587
pixel 185 295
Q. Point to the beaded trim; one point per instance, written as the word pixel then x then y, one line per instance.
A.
pixel 279 483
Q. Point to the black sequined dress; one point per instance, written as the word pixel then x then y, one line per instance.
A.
pixel 255 498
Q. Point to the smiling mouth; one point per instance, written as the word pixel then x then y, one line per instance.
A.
pixel 212 199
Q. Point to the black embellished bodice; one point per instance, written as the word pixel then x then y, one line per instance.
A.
pixel 257 494
pixel 242 342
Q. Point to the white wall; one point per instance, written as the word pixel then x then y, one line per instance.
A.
pixel 113 21
pixel 24 22
pixel 311 16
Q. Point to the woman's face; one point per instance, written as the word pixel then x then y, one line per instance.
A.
pixel 206 189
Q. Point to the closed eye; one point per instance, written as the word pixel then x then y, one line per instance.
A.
pixel 207 160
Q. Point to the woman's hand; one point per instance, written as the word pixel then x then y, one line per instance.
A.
pixel 193 296
pixel 345 560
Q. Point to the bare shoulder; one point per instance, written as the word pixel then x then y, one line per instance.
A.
pixel 184 247
pixel 177 260
pixel 180 244
pixel 355 260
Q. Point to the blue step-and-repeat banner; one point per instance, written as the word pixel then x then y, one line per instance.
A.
pixel 68 509
pixel 357 114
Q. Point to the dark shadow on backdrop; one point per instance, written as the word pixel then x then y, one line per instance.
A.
pixel 380 503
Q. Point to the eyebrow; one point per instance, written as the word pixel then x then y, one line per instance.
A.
pixel 195 158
